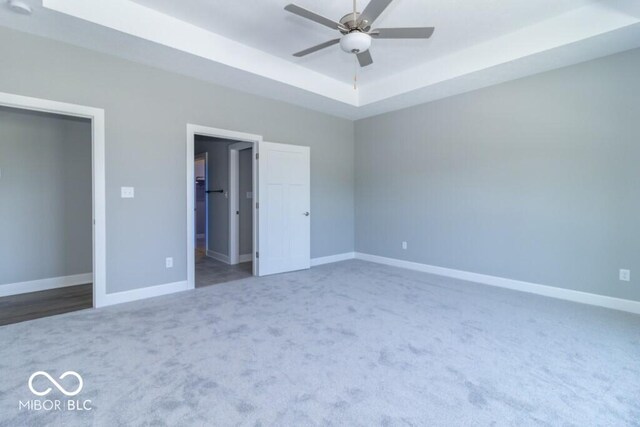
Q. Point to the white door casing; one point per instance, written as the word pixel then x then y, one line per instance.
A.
pixel 284 215
pixel 99 212
pixel 192 131
pixel 234 199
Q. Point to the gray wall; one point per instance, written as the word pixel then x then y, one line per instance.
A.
pixel 537 179
pixel 246 203
pixel 146 115
pixel 45 196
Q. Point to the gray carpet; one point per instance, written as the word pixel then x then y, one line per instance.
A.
pixel 351 344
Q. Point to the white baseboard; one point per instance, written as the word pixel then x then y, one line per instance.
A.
pixel 143 293
pixel 332 258
pixel 218 256
pixel 45 284
pixel 517 285
pixel 245 258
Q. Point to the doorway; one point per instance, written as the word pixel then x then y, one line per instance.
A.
pixel 52 174
pixel 280 202
pixel 223 193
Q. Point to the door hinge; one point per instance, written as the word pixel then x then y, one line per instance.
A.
pixel 257 205
pixel 257 254
pixel 257 156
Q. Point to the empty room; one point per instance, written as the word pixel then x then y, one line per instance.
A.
pixel 336 213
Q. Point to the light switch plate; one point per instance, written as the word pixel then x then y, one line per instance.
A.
pixel 127 192
pixel 625 275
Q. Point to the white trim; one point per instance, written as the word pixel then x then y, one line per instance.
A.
pixel 217 255
pixel 45 284
pixel 233 242
pixel 96 115
pixel 234 199
pixel 192 131
pixel 332 258
pixel 516 285
pixel 245 258
pixel 143 293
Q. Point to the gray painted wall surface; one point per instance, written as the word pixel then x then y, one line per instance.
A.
pixel 537 179
pixel 146 115
pixel 246 204
pixel 45 196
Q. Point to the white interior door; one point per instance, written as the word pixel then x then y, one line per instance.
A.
pixel 284 216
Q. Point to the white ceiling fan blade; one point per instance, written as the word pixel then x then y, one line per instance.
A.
pixel 364 58
pixel 316 48
pixel 373 10
pixel 305 13
pixel 402 33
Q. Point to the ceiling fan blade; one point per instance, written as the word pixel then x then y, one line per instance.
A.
pixel 305 13
pixel 316 48
pixel 364 58
pixel 373 10
pixel 402 33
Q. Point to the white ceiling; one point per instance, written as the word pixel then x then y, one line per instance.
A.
pixel 265 25
pixel 248 44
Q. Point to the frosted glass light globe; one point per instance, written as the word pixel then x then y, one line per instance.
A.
pixel 355 42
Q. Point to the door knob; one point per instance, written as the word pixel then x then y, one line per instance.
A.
pixel 306 214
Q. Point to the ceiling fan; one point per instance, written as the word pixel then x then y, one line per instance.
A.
pixel 356 30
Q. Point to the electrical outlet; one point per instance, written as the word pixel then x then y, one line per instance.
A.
pixel 127 192
pixel 169 262
pixel 625 275
pixel 404 245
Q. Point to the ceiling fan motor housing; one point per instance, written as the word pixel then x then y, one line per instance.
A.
pixel 355 42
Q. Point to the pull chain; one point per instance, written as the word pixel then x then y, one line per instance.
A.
pixel 355 74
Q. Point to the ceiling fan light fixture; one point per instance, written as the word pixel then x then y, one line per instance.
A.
pixel 355 42
pixel 354 28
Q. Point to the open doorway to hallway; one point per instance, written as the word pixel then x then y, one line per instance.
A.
pixel 223 194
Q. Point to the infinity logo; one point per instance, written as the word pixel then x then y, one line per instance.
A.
pixel 55 383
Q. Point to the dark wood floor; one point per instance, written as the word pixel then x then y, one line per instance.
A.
pixel 34 305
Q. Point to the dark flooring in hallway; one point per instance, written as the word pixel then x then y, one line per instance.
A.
pixel 34 305
pixel 211 272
